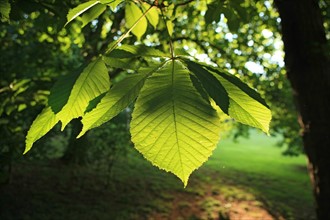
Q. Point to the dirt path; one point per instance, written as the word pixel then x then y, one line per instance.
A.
pixel 213 205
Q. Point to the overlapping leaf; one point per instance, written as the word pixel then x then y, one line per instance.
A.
pixel 75 12
pixel 152 15
pixel 213 87
pixel 91 83
pixel 131 51
pixel 45 121
pixel 246 109
pixel 92 14
pixel 172 125
pixel 60 92
pixel 116 100
pixel 112 3
pixel 245 104
pixel 134 16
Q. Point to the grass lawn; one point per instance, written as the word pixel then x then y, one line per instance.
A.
pixel 248 180
pixel 281 182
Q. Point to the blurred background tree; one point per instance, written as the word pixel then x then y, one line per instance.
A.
pixel 242 37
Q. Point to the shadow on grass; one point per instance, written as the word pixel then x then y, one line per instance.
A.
pixel 136 191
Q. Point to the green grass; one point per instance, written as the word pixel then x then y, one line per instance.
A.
pixel 282 182
pixel 251 166
pixel 252 170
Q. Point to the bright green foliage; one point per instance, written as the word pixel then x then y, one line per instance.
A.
pixel 91 83
pixel 213 86
pixel 169 25
pixel 131 51
pixel 75 12
pixel 175 122
pixel 152 15
pixel 4 10
pixel 45 121
pixel 60 92
pixel 133 14
pixel 70 98
pixel 92 14
pixel 115 101
pixel 172 125
pixel 245 104
pixel 112 3
pixel 245 109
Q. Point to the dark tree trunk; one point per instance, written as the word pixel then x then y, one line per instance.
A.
pixel 307 64
pixel 76 152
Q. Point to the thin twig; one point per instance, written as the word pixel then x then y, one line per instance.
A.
pixel 129 30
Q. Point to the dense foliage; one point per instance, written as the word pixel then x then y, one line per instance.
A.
pixel 167 37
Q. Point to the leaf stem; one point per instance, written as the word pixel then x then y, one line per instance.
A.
pixel 168 33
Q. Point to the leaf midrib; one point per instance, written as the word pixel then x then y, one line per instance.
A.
pixel 174 117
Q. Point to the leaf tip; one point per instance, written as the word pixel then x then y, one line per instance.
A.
pixel 82 132
pixel 185 182
pixel 28 147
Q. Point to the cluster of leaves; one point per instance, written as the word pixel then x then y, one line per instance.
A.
pixel 175 122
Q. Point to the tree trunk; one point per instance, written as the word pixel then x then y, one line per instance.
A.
pixel 76 152
pixel 307 64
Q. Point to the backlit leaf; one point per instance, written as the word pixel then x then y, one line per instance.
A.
pixel 75 12
pixel 112 3
pixel 45 121
pixel 115 101
pixel 60 92
pixel 237 82
pixel 245 104
pixel 134 14
pixel 4 10
pixel 92 82
pixel 152 15
pixel 130 51
pixel 245 109
pixel 172 125
pixel 126 63
pixel 92 14
pixel 213 87
pixel 169 25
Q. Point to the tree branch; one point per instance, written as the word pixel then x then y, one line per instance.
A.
pixel 201 44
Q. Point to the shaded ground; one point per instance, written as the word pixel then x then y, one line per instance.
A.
pixel 52 191
pixel 249 182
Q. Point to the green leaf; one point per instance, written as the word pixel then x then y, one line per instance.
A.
pixel 92 14
pixel 93 103
pixel 169 25
pixel 130 51
pixel 5 10
pixel 245 109
pixel 172 125
pixel 213 13
pixel 45 121
pixel 245 104
pixel 125 63
pixel 112 3
pixel 152 15
pixel 75 12
pixel 60 92
pixel 132 14
pixel 91 83
pixel 115 101
pixel 213 87
pixel 237 82
pixel 233 20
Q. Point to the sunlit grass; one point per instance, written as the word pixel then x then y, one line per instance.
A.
pixel 256 164
pixel 249 175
